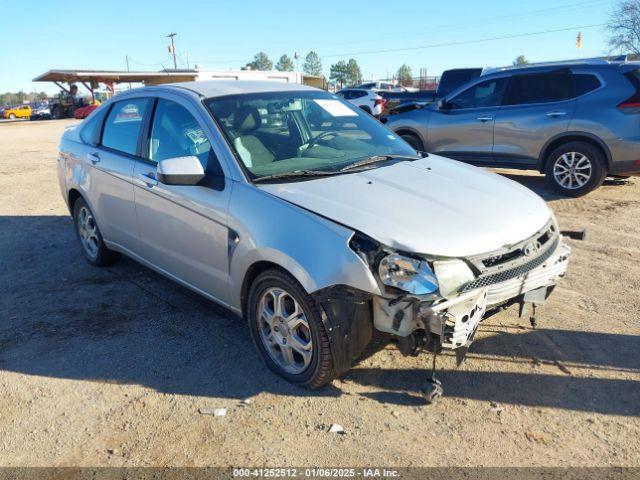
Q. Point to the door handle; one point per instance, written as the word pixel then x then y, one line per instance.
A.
pixel 93 158
pixel 556 113
pixel 148 178
pixel 485 118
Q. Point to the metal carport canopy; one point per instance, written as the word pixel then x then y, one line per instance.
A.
pixel 94 77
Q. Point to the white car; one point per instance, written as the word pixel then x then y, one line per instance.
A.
pixel 386 86
pixel 367 100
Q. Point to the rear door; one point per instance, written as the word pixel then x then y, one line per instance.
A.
pixel 112 161
pixel 537 107
pixel 463 129
pixel 183 228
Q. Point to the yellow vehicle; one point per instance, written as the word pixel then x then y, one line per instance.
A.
pixel 21 111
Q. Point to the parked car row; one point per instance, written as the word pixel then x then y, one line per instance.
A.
pixel 399 99
pixel 320 226
pixel 20 111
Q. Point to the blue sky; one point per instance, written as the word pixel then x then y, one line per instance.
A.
pixel 41 35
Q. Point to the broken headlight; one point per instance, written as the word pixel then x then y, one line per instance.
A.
pixel 408 274
pixel 451 275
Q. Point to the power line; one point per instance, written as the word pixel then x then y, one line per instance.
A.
pixel 153 64
pixel 464 42
pixel 489 20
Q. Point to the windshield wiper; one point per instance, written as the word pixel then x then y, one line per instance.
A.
pixel 295 173
pixel 376 159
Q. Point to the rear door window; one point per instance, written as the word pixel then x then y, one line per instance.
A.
pixel 92 128
pixel 585 83
pixel 123 125
pixel 540 88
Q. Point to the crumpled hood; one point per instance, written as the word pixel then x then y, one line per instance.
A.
pixel 433 206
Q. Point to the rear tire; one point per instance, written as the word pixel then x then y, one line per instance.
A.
pixel 575 168
pixel 287 329
pixel 12 116
pixel 88 233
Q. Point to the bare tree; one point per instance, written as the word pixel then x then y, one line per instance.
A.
pixel 624 27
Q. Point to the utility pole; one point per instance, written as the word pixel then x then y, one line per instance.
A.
pixel 127 59
pixel 172 50
pixel 296 55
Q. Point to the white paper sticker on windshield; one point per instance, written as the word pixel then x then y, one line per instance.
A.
pixel 336 108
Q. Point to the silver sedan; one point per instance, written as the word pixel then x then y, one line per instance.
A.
pixel 303 214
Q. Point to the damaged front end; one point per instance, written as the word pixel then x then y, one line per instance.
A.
pixel 434 303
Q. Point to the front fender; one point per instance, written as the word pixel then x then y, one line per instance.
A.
pixel 416 122
pixel 313 249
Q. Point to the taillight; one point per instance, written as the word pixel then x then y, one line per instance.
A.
pixel 380 101
pixel 631 102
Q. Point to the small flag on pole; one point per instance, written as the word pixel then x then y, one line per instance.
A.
pixel 579 41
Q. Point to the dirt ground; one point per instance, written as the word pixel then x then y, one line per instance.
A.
pixel 110 366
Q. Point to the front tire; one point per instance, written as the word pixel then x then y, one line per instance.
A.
pixel 88 233
pixel 287 329
pixel 575 168
pixel 413 140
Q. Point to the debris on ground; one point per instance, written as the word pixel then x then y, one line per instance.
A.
pixel 216 412
pixel 246 402
pixel 335 428
pixel 536 437
pixel 562 367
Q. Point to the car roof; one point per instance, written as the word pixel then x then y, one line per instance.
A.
pixel 219 88
pixel 591 63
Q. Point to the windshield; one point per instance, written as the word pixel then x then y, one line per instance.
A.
pixel 275 133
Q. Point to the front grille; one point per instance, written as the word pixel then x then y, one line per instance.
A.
pixel 488 279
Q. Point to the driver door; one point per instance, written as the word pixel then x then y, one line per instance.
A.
pixel 463 129
pixel 183 228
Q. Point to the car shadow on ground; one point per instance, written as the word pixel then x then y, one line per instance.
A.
pixel 565 371
pixel 539 184
pixel 63 318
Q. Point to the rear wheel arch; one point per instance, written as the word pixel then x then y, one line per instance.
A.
pixel 556 142
pixel 72 197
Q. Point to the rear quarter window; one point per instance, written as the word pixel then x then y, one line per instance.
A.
pixel 585 83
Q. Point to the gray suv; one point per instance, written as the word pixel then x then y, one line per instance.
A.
pixel 577 122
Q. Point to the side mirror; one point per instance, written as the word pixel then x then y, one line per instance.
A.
pixel 442 104
pixel 180 171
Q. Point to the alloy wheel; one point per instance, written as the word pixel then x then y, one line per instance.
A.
pixel 88 231
pixel 572 170
pixel 284 330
